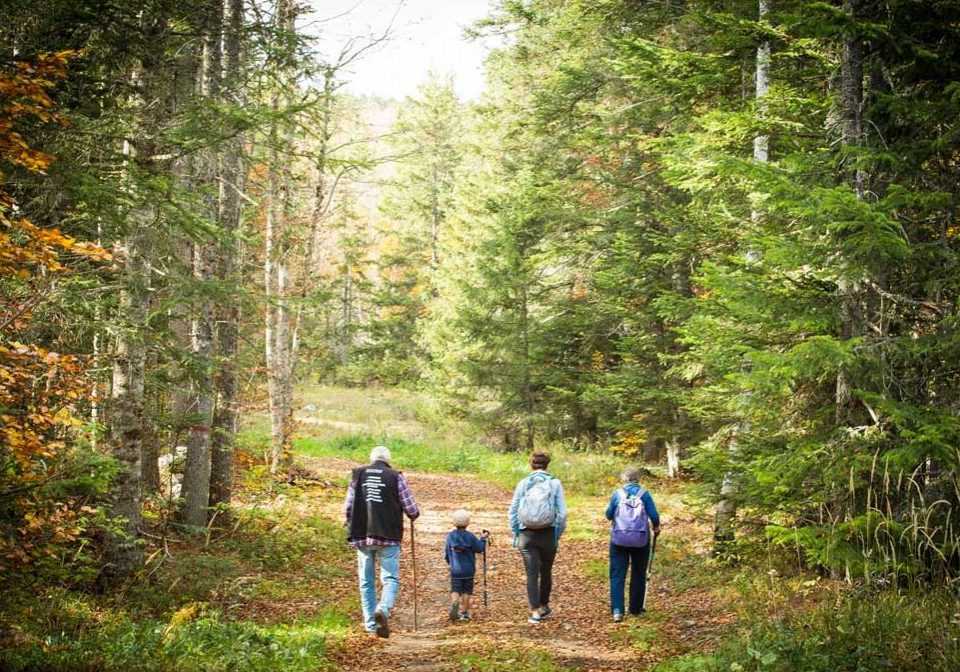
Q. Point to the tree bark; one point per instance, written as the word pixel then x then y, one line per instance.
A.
pixel 150 445
pixel 123 555
pixel 674 454
pixel 196 477
pixel 224 433
pixel 277 331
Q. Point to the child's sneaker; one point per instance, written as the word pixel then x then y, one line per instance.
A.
pixel 464 616
pixel 545 613
pixel 454 610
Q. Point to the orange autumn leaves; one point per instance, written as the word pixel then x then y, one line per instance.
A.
pixel 25 249
pixel 38 387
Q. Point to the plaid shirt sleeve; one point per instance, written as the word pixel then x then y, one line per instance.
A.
pixel 406 498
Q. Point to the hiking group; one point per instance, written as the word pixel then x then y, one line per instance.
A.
pixel 378 496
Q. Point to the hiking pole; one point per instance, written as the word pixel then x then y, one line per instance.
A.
pixel 485 568
pixel 413 552
pixel 653 547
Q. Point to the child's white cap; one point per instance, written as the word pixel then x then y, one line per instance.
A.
pixel 461 518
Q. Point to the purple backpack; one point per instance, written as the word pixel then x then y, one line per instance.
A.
pixel 631 527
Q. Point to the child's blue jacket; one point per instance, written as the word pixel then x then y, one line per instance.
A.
pixel 459 552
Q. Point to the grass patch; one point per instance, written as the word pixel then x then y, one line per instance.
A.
pixel 856 631
pixel 193 638
pixel 584 475
pixel 502 660
pixel 597 569
pixel 640 634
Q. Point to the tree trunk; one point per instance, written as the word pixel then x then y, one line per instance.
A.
pixel 150 445
pixel 723 526
pixel 528 401
pixel 224 434
pixel 851 133
pixel 196 476
pixel 277 331
pixel 761 143
pixel 674 453
pixel 123 555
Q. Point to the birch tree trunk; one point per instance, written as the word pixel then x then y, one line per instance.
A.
pixel 674 453
pixel 277 329
pixel 723 528
pixel 196 476
pixel 224 433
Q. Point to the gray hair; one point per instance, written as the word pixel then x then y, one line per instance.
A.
pixel 630 475
pixel 461 518
pixel 380 454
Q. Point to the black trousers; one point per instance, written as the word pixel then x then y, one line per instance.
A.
pixel 538 548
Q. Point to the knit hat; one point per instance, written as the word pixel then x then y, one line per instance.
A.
pixel 461 518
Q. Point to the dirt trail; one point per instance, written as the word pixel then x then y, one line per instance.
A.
pixel 580 635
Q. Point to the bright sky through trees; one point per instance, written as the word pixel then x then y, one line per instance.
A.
pixel 426 35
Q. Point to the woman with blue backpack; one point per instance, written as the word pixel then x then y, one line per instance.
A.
pixel 632 515
pixel 538 516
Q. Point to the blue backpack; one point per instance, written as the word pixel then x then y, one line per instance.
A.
pixel 631 526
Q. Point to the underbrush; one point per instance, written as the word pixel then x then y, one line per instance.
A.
pixel 264 594
pixel 855 631
pixel 62 632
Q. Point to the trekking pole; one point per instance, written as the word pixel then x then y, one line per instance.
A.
pixel 413 552
pixel 485 571
pixel 653 547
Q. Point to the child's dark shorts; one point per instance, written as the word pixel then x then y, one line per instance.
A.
pixel 461 586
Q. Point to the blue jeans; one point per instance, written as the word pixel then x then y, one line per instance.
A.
pixel 389 558
pixel 636 558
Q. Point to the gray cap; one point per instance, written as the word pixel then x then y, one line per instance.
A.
pixel 380 454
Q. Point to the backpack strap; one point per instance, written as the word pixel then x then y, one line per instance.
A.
pixel 531 482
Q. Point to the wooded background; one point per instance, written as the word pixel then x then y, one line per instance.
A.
pixel 721 235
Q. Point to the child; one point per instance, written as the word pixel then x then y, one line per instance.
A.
pixel 459 552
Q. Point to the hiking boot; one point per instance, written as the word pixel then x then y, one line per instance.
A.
pixel 383 626
pixel 546 612
pixel 617 616
pixel 465 616
pixel 454 611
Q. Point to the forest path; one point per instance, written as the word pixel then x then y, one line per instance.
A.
pixel 580 634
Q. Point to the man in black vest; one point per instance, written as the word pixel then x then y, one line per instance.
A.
pixel 377 498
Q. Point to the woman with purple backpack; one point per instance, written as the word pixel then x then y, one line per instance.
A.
pixel 632 515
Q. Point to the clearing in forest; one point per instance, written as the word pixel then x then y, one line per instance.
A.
pixel 685 613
